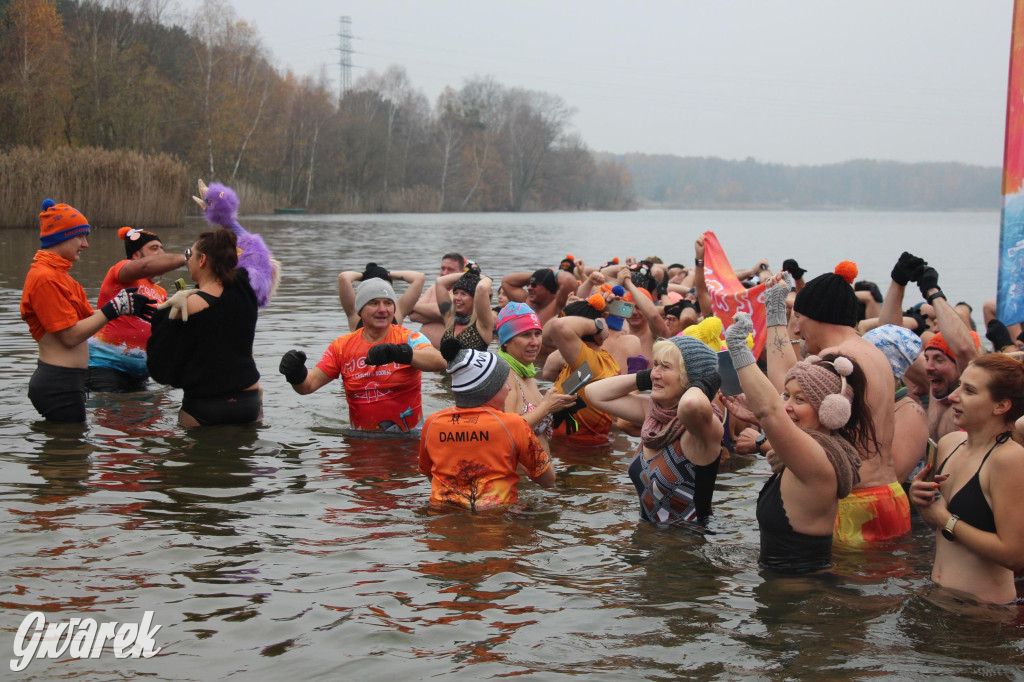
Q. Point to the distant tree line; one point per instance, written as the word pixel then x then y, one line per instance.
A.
pixel 677 182
pixel 115 75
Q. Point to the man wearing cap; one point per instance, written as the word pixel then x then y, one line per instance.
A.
pixel 117 353
pixel 825 315
pixel 543 290
pixel 380 365
pixel 60 318
pixel 472 452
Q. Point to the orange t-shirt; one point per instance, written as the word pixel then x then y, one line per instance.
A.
pixel 127 330
pixel 594 424
pixel 383 397
pixel 471 455
pixel 52 300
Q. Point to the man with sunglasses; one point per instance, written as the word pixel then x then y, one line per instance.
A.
pixel 117 353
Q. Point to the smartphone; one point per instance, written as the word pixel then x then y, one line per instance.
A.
pixel 577 380
pixel 179 284
pixel 730 380
pixel 620 308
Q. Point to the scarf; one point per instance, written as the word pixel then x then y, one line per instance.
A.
pixel 463 320
pixel 53 260
pixel 844 459
pixel 525 371
pixel 661 427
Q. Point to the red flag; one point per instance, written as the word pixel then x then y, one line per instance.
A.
pixel 728 295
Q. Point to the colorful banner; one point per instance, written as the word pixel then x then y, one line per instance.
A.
pixel 1010 293
pixel 728 295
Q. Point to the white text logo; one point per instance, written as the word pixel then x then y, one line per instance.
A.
pixel 81 638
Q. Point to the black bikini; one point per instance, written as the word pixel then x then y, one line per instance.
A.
pixel 969 502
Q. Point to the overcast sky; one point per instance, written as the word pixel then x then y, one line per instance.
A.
pixel 782 81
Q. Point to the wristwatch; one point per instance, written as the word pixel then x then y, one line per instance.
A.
pixel 761 440
pixel 947 532
pixel 599 323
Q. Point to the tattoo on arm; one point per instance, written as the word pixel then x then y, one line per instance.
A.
pixel 779 345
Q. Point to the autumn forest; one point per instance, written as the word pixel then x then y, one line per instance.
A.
pixel 110 97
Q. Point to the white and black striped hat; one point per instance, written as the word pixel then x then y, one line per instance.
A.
pixel 477 376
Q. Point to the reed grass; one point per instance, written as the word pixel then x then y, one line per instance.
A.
pixel 110 187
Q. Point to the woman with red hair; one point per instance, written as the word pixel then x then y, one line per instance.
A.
pixel 974 502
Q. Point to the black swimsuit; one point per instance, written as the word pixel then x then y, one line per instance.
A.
pixel 783 548
pixel 969 502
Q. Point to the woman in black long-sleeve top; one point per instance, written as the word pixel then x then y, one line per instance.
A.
pixel 208 351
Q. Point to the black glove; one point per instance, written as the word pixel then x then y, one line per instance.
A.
pixel 907 269
pixel 922 321
pixel 383 353
pixel 871 287
pixel 643 380
pixel 709 384
pixel 928 280
pixel 293 366
pixel 998 334
pixel 568 416
pixel 790 265
pixel 129 302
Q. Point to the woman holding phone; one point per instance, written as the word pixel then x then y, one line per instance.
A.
pixel 519 333
pixel 674 469
pixel 974 502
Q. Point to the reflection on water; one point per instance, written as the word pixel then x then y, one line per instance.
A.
pixel 293 549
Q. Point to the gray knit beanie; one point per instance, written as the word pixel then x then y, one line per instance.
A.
pixel 698 357
pixel 371 289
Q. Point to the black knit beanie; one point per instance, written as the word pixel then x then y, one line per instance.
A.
pixel 828 298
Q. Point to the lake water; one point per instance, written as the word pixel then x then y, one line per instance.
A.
pixel 293 550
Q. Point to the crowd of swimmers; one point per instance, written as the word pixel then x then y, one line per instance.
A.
pixel 861 407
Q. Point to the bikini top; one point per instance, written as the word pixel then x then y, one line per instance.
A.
pixel 468 337
pixel 969 502
pixel 544 426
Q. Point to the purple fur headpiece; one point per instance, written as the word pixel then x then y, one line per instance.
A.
pixel 221 204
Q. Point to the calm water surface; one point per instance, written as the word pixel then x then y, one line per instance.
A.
pixel 291 549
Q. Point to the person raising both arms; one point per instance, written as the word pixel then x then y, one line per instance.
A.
pixel 117 353
pixel 425 312
pixel 465 301
pixel 60 318
pixel 674 469
pixel 974 502
pixel 404 305
pixel 379 363
pixel 545 291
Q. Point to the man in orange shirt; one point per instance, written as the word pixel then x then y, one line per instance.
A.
pixel 380 365
pixel 472 452
pixel 117 353
pixel 60 318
